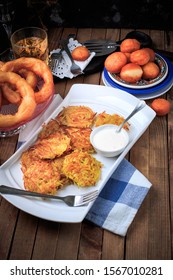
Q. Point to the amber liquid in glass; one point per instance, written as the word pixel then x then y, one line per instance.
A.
pixel 32 47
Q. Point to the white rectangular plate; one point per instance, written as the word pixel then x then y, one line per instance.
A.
pixel 99 98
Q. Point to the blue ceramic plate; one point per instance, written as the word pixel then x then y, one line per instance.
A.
pixel 147 90
pixel 146 96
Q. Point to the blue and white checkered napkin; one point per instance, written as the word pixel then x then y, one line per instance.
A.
pixel 121 197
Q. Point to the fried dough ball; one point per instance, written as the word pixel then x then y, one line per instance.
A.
pixel 80 53
pixel 150 70
pixel 161 106
pixel 151 54
pixel 131 73
pixel 128 56
pixel 129 45
pixel 115 61
pixel 140 57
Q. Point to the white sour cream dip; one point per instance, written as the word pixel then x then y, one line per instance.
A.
pixel 108 139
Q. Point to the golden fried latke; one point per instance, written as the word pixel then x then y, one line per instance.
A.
pixel 57 163
pixel 80 139
pixel 27 159
pixel 51 127
pixel 52 146
pixel 42 177
pixel 82 168
pixel 104 118
pixel 76 116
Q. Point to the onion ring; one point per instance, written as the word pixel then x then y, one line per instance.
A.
pixel 0 98
pixel 1 64
pixel 30 77
pixel 13 96
pixel 27 105
pixel 40 68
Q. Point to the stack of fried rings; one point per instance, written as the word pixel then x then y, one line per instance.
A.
pixel 10 79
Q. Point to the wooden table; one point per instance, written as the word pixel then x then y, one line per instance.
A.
pixel 23 236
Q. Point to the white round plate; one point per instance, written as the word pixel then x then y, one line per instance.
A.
pixel 142 84
pixel 147 96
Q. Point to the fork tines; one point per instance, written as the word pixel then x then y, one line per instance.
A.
pixel 86 198
pixel 90 196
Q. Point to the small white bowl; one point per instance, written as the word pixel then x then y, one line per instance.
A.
pixel 107 142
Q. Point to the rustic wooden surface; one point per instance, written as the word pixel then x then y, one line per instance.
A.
pixel 23 236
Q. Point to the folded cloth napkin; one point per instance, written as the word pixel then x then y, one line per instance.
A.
pixel 121 197
pixel 63 67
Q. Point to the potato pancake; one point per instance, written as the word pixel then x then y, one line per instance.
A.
pixel 27 159
pixel 52 146
pixel 48 129
pixel 58 163
pixel 82 168
pixel 42 177
pixel 76 116
pixel 80 139
pixel 62 152
pixel 104 118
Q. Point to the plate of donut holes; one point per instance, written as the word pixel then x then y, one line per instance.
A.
pixel 135 67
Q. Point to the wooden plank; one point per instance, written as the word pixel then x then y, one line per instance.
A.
pixel 113 34
pixel 159 230
pixel 8 146
pixel 158 37
pixel 91 242
pixel 113 246
pixel 68 241
pixel 24 237
pixel 170 141
pixel 98 33
pixel 45 241
pixel 84 34
pixel 138 230
pixel 54 36
pixel 68 31
pixel 8 219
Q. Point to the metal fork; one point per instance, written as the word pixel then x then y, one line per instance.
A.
pixel 101 47
pixel 54 60
pixel 75 69
pixel 70 200
pixel 101 50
